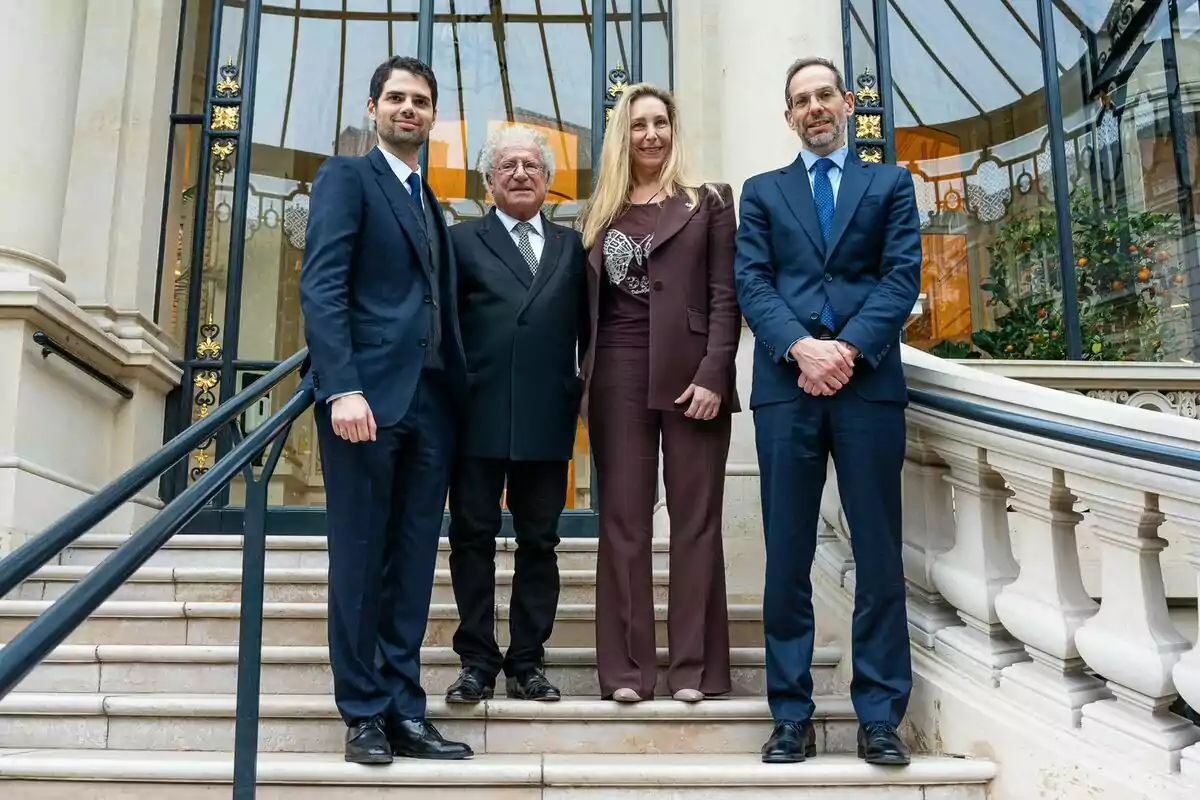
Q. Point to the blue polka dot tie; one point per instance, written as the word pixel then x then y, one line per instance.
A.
pixel 823 197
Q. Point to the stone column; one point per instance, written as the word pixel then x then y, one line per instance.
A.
pixel 1131 641
pixel 41 51
pixel 928 532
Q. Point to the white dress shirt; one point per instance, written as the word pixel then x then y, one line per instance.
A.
pixel 537 238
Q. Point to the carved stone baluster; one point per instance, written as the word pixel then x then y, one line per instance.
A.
pixel 1047 602
pixel 1183 516
pixel 928 532
pixel 1131 642
pixel 980 564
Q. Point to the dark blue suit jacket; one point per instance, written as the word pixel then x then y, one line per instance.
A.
pixel 365 288
pixel 870 271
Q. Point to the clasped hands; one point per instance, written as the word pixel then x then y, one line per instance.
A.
pixel 825 365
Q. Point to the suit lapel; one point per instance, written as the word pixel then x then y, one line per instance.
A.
pixel 675 214
pixel 797 191
pixel 500 242
pixel 403 206
pixel 552 250
pixel 855 180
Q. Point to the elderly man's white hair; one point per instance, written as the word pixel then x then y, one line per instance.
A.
pixel 514 136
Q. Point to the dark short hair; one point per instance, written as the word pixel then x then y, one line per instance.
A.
pixel 407 64
pixel 811 61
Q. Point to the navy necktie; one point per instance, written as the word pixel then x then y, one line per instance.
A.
pixel 823 198
pixel 414 188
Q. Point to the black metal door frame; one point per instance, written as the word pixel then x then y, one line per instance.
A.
pixel 211 363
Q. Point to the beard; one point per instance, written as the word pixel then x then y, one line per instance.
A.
pixel 827 137
pixel 398 137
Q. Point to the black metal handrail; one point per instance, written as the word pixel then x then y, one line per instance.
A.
pixel 31 556
pixel 1118 444
pixel 49 345
pixel 28 648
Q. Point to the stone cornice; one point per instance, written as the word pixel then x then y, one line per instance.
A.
pixel 1092 374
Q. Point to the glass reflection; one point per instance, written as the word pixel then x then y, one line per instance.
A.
pixel 971 126
pixel 1131 142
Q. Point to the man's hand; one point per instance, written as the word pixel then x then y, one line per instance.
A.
pixel 352 419
pixel 704 403
pixel 825 365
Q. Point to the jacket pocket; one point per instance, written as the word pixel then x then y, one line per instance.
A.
pixel 697 321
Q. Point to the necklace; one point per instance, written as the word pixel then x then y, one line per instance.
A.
pixel 649 200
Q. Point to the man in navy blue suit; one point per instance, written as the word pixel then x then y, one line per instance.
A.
pixel 828 269
pixel 386 361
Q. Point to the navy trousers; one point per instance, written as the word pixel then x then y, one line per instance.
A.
pixel 866 439
pixel 385 502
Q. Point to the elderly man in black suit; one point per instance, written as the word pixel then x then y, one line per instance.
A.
pixel 522 310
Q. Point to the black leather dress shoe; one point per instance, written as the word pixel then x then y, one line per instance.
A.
pixel 367 743
pixel 532 685
pixel 471 686
pixel 790 743
pixel 878 743
pixel 417 738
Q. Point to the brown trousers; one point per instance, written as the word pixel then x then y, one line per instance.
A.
pixel 625 438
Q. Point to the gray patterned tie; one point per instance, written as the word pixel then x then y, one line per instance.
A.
pixel 523 229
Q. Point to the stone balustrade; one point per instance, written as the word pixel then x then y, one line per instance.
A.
pixel 993 521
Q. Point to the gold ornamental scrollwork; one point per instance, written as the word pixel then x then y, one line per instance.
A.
pixel 205 384
pixel 870 155
pixel 868 126
pixel 222 150
pixel 225 118
pixel 618 83
pixel 228 85
pixel 868 89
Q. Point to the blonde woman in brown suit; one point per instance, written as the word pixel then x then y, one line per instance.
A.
pixel 664 332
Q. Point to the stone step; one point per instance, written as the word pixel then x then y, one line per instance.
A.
pixel 283 584
pixel 162 622
pixel 290 552
pixel 131 669
pixel 150 775
pixel 309 724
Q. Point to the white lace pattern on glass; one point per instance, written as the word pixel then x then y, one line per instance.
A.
pixel 619 252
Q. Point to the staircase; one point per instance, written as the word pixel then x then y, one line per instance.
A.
pixel 140 699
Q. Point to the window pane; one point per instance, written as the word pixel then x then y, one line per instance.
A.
pixel 1132 204
pixel 971 126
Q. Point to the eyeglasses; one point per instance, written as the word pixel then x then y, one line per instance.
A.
pixel 510 167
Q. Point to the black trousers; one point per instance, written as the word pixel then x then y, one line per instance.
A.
pixel 385 500
pixel 537 493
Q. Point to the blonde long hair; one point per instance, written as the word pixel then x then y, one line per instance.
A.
pixel 611 195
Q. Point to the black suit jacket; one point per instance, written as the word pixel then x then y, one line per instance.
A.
pixel 365 288
pixel 522 336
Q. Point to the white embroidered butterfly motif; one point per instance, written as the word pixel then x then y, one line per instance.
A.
pixel 619 252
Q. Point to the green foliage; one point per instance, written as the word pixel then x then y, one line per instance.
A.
pixel 1125 271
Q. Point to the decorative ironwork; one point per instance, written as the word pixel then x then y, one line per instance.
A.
pixel 225 118
pixel 228 85
pixel 868 127
pixel 871 155
pixel 618 82
pixel 205 383
pixel 222 150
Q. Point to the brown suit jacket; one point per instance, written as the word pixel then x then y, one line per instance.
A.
pixel 694 318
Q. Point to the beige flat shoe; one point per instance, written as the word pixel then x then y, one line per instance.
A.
pixel 689 695
pixel 626 696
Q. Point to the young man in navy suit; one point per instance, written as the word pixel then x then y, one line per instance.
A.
pixel 828 268
pixel 386 361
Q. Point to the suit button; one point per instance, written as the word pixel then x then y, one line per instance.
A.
pixel 658 286
pixel 814 317
pixel 828 277
pixel 423 342
pixel 428 298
